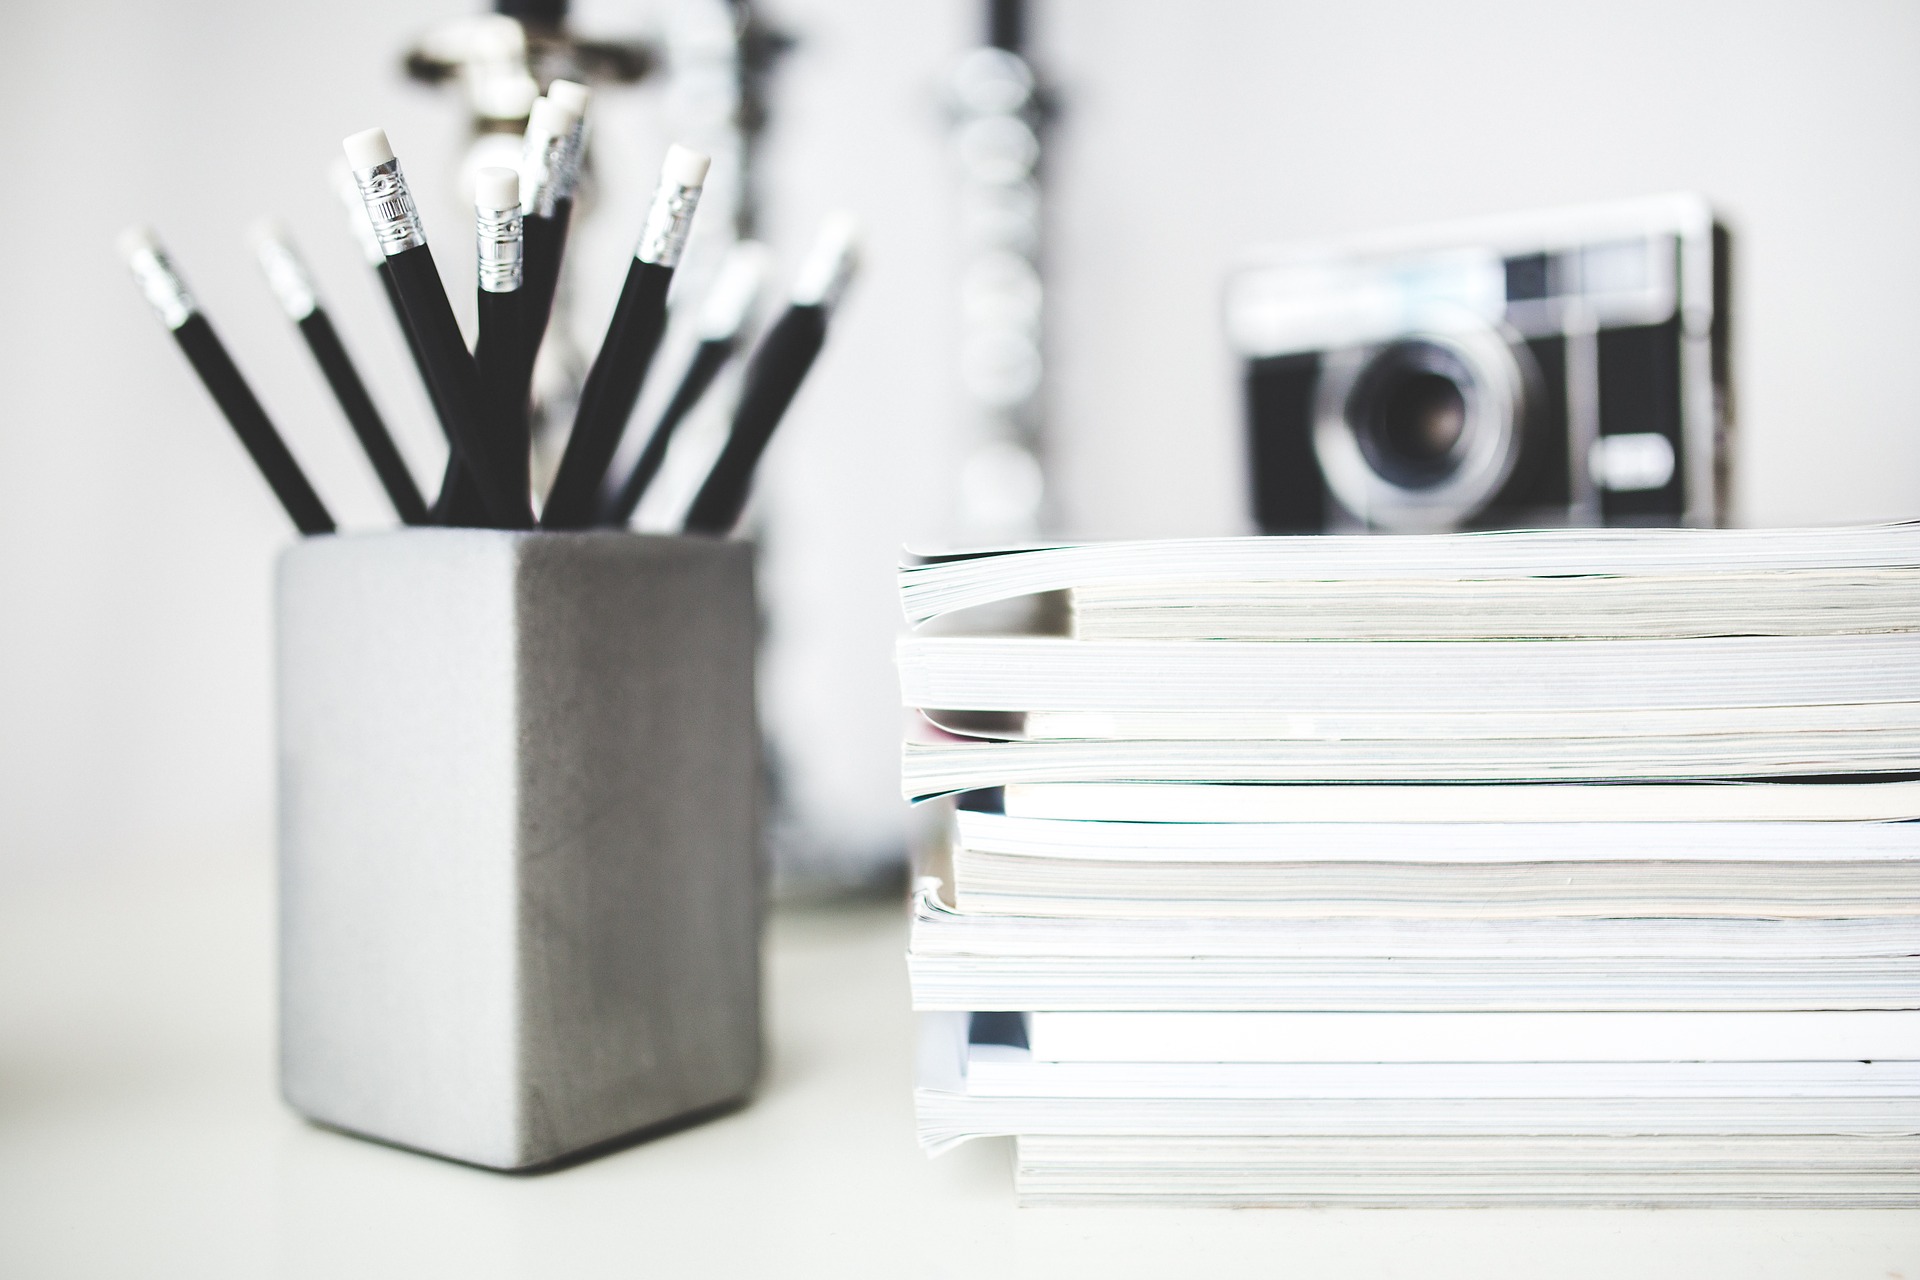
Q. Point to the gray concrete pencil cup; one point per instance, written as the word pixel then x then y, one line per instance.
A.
pixel 520 878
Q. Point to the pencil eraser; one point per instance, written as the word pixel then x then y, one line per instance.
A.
pixel 684 167
pixel 547 119
pixel 135 241
pixel 496 188
pixel 267 231
pixel 829 263
pixel 571 97
pixel 736 287
pixel 367 148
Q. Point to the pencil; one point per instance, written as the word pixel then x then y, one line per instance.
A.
pixel 178 311
pixel 548 169
pixel 293 285
pixel 363 234
pixel 722 319
pixel 613 383
pixel 498 351
pixel 450 369
pixel 553 152
pixel 778 366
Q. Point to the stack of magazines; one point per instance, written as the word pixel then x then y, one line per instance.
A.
pixel 1562 867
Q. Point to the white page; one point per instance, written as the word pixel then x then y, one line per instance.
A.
pixel 938 929
pixel 1474 1037
pixel 993 1071
pixel 1336 677
pixel 962 581
pixel 1430 842
pixel 1652 802
pixel 1413 723
pixel 931 769
pixel 1728 603
pixel 945 1118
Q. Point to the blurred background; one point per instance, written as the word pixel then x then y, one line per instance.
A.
pixel 136 547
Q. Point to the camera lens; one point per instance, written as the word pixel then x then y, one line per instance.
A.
pixel 1421 432
pixel 1409 412
pixel 1421 419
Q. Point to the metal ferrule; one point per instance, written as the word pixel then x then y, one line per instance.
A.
pixel 573 154
pixel 498 237
pixel 163 287
pixel 356 211
pixel 664 237
pixel 287 277
pixel 396 223
pixel 544 165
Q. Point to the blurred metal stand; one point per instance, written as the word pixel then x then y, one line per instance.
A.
pixel 719 58
pixel 999 117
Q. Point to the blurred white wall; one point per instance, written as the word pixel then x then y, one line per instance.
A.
pixel 136 547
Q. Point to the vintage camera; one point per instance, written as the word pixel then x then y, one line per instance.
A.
pixel 1556 368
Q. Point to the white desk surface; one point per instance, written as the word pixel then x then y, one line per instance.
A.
pixel 140 1136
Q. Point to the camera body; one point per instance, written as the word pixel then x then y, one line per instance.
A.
pixel 1560 368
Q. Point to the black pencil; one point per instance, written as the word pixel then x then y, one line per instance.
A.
pixel 293 285
pixel 548 169
pixel 223 381
pixel 369 241
pixel 499 350
pixel 450 368
pixel 552 155
pixel 778 366
pixel 613 384
pixel 723 317
pixel 363 234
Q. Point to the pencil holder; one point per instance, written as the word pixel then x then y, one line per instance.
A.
pixel 520 879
